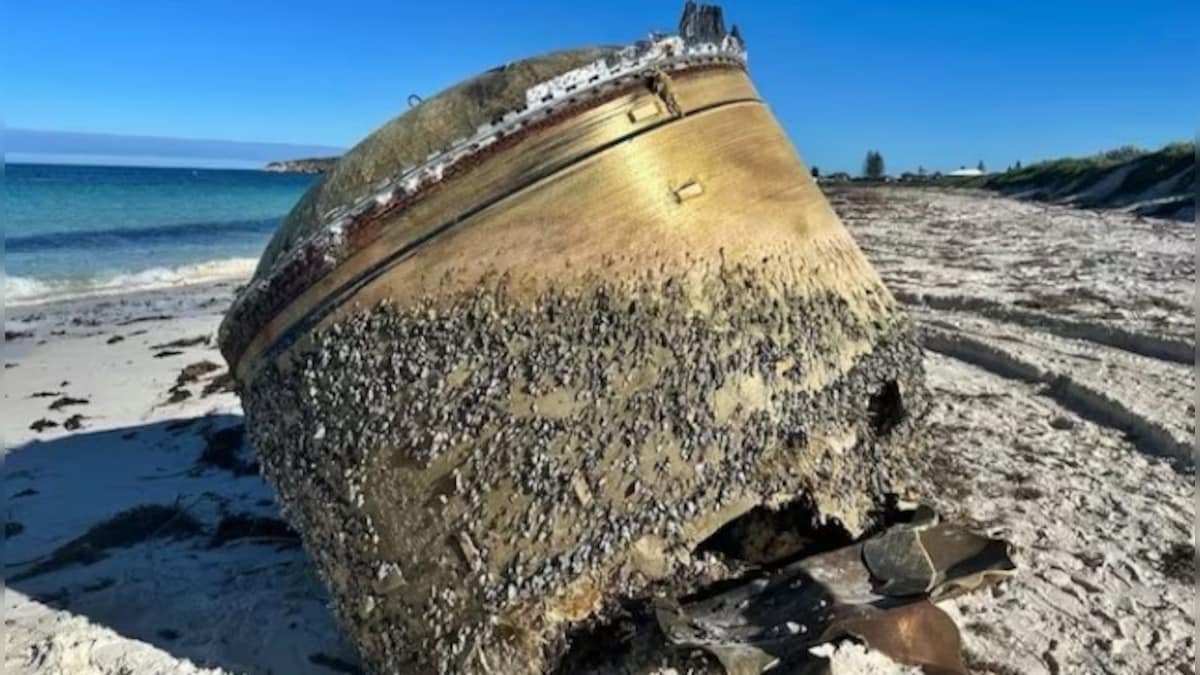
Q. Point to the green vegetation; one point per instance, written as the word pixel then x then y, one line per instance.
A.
pixel 1079 173
pixel 1157 183
pixel 873 167
pixel 1156 167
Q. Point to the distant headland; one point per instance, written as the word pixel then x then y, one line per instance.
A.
pixel 306 165
pixel 81 147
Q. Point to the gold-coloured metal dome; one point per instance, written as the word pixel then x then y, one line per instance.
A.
pixel 502 381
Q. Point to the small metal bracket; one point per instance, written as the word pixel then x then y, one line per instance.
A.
pixel 689 190
pixel 645 111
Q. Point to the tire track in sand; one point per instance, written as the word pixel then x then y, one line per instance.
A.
pixel 1164 349
pixel 1146 435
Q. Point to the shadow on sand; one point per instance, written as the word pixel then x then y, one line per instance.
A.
pixel 129 529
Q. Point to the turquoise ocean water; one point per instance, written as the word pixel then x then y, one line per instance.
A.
pixel 74 230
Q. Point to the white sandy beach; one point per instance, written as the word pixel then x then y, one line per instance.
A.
pixel 163 605
pixel 1060 352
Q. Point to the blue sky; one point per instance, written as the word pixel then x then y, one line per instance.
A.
pixel 937 84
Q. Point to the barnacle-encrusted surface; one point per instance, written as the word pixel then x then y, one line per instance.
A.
pixel 475 471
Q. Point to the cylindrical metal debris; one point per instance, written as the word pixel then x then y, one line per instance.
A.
pixel 527 345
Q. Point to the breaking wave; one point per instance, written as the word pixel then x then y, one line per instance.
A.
pixel 27 290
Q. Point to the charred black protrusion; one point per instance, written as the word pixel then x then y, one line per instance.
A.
pixel 701 23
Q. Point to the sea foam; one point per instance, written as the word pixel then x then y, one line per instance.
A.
pixel 21 291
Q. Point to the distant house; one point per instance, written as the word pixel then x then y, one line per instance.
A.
pixel 963 172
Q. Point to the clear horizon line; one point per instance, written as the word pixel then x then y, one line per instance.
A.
pixel 133 161
pixel 119 148
pixel 160 137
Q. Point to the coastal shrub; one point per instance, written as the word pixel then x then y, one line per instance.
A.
pixel 1122 154
pixel 1160 166
pixel 1052 177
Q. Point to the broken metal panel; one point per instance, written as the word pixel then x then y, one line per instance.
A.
pixel 899 560
pixel 878 591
